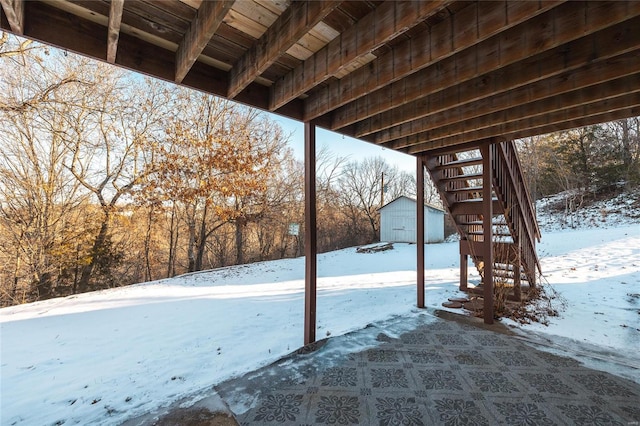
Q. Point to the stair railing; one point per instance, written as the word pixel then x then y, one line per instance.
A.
pixel 514 193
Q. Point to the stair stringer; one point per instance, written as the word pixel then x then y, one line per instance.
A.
pixel 517 263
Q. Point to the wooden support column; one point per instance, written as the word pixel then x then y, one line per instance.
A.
pixel 310 233
pixel 464 275
pixel 517 264
pixel 487 218
pixel 420 228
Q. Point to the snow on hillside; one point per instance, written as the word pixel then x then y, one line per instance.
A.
pixel 567 210
pixel 103 357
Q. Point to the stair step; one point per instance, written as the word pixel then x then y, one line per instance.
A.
pixel 499 247
pixel 468 188
pixel 503 266
pixel 495 234
pixel 479 222
pixel 508 276
pixel 479 291
pixel 473 206
pixel 462 177
pixel 460 163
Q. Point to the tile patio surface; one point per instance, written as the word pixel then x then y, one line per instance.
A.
pixel 439 372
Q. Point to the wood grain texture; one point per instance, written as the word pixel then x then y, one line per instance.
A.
pixel 372 31
pixel 512 46
pixel 113 32
pixel 608 94
pixel 281 36
pixel 625 106
pixel 521 82
pixel 14 10
pixel 67 31
pixel 202 28
pixel 427 49
pixel 474 71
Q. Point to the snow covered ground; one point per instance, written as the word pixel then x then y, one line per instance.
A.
pixel 567 210
pixel 103 357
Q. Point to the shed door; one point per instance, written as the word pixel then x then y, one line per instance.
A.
pixel 402 228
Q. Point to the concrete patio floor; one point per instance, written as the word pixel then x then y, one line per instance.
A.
pixel 444 371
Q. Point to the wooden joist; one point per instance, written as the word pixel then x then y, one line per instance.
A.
pixel 615 108
pixel 546 95
pixel 88 38
pixel 608 55
pixel 290 27
pixel 550 30
pixel 471 71
pixel 113 32
pixel 202 28
pixel 14 10
pixel 465 29
pixel 386 22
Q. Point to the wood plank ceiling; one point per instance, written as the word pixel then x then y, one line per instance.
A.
pixel 411 76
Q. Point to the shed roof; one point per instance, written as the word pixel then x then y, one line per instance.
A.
pixel 413 200
pixel 412 76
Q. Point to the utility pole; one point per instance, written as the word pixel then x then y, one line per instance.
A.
pixel 382 191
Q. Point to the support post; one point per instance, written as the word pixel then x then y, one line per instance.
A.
pixel 420 228
pixel 310 233
pixel 464 274
pixel 487 226
pixel 517 265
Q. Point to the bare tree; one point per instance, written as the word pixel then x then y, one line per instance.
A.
pixel 361 191
pixel 11 46
pixel 109 134
pixel 39 199
pixel 283 206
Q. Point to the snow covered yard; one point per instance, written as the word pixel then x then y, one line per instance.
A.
pixel 104 357
pixel 597 272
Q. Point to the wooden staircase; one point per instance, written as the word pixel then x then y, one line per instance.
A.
pixel 462 176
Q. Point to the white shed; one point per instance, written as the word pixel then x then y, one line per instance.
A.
pixel 398 222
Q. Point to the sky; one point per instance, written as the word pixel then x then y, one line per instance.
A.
pixel 338 145
pixel 343 146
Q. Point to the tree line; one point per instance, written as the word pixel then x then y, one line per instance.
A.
pixel 108 179
pixel 584 164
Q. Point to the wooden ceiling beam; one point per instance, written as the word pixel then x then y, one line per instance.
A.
pixel 59 28
pixel 287 30
pixel 582 121
pixel 566 99
pixel 472 25
pixel 599 111
pixel 383 24
pixel 557 27
pixel 202 28
pixel 113 33
pixel 14 10
pixel 498 91
pixel 56 27
pixel 523 111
